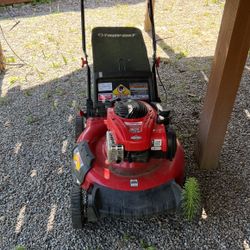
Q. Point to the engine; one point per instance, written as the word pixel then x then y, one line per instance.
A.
pixel 134 134
pixel 130 109
pixel 115 151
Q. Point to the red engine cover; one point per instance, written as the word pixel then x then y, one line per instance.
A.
pixel 137 134
pixel 149 175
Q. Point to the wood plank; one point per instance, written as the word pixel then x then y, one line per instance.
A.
pixel 2 60
pixel 6 2
pixel 229 60
pixel 147 23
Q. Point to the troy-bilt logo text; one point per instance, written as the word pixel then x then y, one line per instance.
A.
pixel 132 35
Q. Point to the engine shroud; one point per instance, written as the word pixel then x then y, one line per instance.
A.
pixel 136 134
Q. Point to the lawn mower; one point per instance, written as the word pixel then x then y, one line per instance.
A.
pixel 127 161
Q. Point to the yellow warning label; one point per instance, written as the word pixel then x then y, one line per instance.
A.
pixel 77 161
pixel 121 90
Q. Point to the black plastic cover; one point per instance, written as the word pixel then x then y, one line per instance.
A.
pixel 108 202
pixel 119 49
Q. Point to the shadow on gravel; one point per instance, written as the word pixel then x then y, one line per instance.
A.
pixel 37 137
pixel 1 82
pixel 106 4
pixel 64 6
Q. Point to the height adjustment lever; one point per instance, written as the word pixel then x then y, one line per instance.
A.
pixel 157 62
pixel 84 62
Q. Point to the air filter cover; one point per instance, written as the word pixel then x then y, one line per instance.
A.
pixel 130 109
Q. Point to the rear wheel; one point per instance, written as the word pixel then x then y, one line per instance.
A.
pixel 172 144
pixel 79 126
pixel 77 207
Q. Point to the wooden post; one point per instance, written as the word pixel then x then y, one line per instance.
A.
pixel 229 60
pixel 147 23
pixel 2 59
pixel 3 2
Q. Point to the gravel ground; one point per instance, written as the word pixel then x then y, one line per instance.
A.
pixel 38 103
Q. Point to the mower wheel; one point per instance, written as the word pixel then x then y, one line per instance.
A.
pixel 77 208
pixel 79 126
pixel 172 143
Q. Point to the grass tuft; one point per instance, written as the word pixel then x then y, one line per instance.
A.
pixel 27 92
pixel 10 59
pixel 13 80
pixel 47 95
pixel 60 91
pixel 3 100
pixel 56 65
pixel 146 246
pixel 65 60
pixel 32 119
pixel 19 247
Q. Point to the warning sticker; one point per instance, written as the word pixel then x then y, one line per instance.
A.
pixel 138 86
pixel 139 97
pixel 105 86
pixel 155 148
pixel 105 96
pixel 156 144
pixel 121 91
pixel 139 90
pixel 77 160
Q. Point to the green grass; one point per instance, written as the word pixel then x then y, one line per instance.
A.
pixel 3 100
pixel 207 14
pixel 126 236
pixel 52 39
pixel 32 119
pixel 46 56
pixel 60 91
pixel 47 95
pixel 219 2
pixel 182 54
pixel 196 31
pixel 19 247
pixel 10 59
pixel 178 87
pixel 40 73
pixel 73 104
pixel 27 92
pixel 15 79
pixel 55 104
pixel 33 44
pixel 56 65
pixel 191 198
pixel 146 246
pixel 65 60
pixel 194 98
